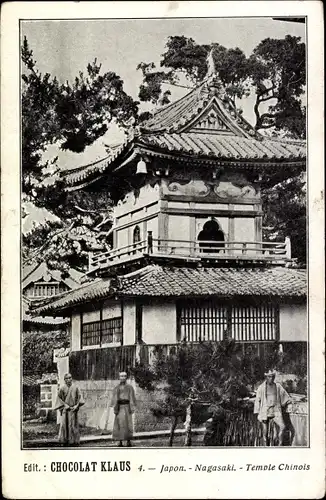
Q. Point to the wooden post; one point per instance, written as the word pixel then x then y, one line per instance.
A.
pixel 188 424
pixel 150 241
pixel 288 248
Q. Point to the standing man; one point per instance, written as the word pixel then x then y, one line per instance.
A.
pixel 124 405
pixel 271 398
pixel 69 401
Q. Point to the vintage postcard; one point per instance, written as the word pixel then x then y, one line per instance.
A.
pixel 162 250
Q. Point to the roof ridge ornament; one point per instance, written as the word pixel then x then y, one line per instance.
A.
pixel 213 79
pixel 211 69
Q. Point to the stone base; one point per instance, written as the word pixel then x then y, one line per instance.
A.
pixel 97 413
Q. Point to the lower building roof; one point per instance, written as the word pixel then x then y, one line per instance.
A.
pixel 184 282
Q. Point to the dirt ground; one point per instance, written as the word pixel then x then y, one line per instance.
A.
pixel 34 431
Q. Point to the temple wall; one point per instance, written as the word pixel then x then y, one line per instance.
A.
pixel 179 227
pixel 293 322
pixel 98 414
pixel 136 200
pixel 75 331
pixel 159 323
pixel 244 229
pixel 111 309
pixel 129 322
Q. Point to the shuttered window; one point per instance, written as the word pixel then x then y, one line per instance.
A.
pixel 209 321
pixel 202 322
pixel 254 323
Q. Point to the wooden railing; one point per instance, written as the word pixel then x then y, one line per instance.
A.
pixel 106 362
pixel 197 250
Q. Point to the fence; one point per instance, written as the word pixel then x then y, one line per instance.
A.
pixel 105 363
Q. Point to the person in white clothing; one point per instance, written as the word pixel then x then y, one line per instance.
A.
pixel 271 400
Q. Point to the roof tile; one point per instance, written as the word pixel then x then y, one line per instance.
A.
pixel 164 281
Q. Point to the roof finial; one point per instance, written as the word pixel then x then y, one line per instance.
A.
pixel 211 70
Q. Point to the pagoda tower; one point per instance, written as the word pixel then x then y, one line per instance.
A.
pixel 188 261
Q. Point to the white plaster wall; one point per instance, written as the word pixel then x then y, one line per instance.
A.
pixel 211 206
pixel 111 309
pixel 129 323
pixel 123 237
pixel 152 225
pixel 179 227
pixel 75 331
pixel 160 323
pixel 244 229
pixel 247 208
pixel 147 195
pixel 90 316
pixel 293 322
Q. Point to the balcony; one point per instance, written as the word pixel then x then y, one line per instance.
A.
pixel 183 250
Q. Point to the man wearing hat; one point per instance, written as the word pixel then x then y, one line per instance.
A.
pixel 271 398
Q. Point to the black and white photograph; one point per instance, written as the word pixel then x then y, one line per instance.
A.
pixel 164 280
pixel 162 250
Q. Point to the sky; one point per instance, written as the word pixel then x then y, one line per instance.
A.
pixel 63 48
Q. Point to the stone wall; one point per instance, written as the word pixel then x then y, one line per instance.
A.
pixel 97 413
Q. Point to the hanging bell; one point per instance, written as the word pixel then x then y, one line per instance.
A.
pixel 141 167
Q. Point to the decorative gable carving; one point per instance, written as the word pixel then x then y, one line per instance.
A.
pixel 211 121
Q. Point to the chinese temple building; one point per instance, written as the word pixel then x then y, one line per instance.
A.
pixel 188 260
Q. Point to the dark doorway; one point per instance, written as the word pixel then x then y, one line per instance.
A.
pixel 211 238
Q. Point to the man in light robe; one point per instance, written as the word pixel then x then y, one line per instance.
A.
pixel 69 401
pixel 123 403
pixel 271 399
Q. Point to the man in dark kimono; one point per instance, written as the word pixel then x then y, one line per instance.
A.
pixel 124 404
pixel 69 401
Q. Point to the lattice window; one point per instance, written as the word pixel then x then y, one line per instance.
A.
pixel 254 323
pixel 209 321
pixel 46 289
pixel 101 332
pixel 91 333
pixel 202 322
pixel 111 330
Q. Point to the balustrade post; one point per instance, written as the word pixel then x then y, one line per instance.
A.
pixel 90 258
pixel 244 248
pixel 288 248
pixel 150 241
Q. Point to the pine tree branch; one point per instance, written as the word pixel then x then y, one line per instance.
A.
pixel 38 250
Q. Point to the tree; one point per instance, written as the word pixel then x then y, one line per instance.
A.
pixel 285 213
pixel 38 350
pixel 185 60
pixel 72 116
pixel 192 374
pixel 278 73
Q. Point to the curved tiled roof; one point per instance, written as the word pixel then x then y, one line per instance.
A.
pixel 180 129
pixel 225 146
pixel 177 115
pixel 164 281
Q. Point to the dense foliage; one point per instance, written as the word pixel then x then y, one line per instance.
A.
pixel 72 116
pixel 38 350
pixel 196 381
